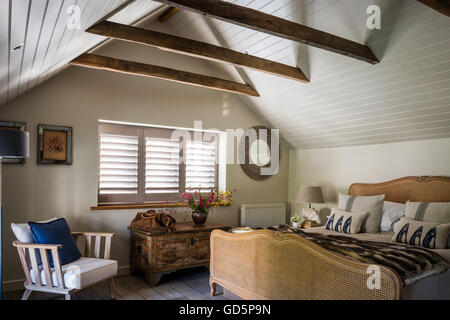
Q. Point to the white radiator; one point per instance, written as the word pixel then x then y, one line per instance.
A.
pixel 263 215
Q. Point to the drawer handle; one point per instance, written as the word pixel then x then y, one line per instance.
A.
pixel 192 241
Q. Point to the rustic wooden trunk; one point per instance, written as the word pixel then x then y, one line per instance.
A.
pixel 158 253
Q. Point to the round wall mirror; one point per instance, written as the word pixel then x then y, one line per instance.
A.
pixel 256 151
pixel 260 153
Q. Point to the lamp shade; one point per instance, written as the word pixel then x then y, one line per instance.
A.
pixel 14 144
pixel 310 194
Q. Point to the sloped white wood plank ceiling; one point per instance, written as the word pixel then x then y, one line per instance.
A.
pixel 348 102
pixel 41 25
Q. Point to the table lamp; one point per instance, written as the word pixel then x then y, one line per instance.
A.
pixel 14 144
pixel 310 194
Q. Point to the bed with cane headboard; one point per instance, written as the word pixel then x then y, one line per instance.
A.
pixel 264 264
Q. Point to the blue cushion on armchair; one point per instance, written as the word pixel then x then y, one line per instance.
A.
pixel 56 232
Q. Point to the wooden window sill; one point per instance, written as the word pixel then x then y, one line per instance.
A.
pixel 142 206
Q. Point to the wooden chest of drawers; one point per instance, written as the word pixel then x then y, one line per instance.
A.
pixel 156 254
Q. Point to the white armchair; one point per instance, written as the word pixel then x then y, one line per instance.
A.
pixel 66 279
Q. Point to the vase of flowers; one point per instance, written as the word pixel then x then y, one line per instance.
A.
pixel 202 203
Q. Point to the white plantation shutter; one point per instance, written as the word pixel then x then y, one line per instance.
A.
pixel 201 166
pixel 162 169
pixel 118 166
pixel 139 165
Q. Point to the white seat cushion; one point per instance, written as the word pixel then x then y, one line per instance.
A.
pixel 82 272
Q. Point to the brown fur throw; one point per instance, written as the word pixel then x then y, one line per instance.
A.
pixel 153 221
pixel 411 263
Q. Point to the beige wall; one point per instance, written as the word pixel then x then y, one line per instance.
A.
pixel 79 98
pixel 335 169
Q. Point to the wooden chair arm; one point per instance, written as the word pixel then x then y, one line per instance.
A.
pixel 101 234
pixel 29 261
pixel 19 244
pixel 97 243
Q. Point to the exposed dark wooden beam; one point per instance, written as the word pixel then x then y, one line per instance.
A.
pixel 263 22
pixel 167 14
pixel 130 67
pixel 443 6
pixel 195 48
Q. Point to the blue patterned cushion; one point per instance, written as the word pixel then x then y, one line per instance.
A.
pixel 430 235
pixel 56 232
pixel 345 222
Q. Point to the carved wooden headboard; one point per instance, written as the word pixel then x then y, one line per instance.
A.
pixel 426 189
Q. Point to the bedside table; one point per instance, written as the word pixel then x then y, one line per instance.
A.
pixel 156 253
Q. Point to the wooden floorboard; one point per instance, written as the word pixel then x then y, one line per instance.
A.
pixel 147 292
pixel 125 290
pixel 189 284
pixel 188 292
pixel 169 293
pixel 101 290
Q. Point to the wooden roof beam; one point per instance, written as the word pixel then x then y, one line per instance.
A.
pixel 135 68
pixel 275 26
pixel 195 48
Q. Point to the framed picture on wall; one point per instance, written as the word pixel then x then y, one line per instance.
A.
pixel 54 144
pixel 13 125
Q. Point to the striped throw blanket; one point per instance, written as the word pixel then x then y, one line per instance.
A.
pixel 411 263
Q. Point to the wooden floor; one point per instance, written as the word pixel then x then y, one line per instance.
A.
pixel 192 284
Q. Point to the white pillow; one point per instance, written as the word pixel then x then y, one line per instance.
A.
pixel 428 211
pixel 392 212
pixel 23 232
pixel 396 226
pixel 372 205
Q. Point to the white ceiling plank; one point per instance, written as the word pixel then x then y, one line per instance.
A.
pixel 134 11
pixel 63 40
pixel 37 15
pixel 51 15
pixel 19 18
pixel 413 123
pixel 403 138
pixel 72 44
pixel 4 50
pixel 87 8
pixel 374 137
pixel 78 41
pixel 59 28
pixel 386 113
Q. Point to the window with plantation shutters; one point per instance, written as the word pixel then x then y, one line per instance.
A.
pixel 139 165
